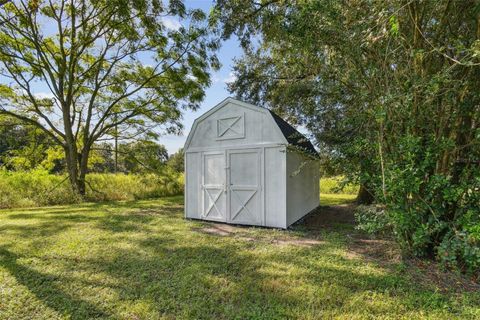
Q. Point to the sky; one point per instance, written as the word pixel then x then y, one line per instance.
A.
pixel 213 95
pixel 216 92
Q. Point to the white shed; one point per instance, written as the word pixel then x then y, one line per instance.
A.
pixel 246 165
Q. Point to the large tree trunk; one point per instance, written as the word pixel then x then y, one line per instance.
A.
pixel 364 195
pixel 74 159
pixel 71 157
pixel 77 166
pixel 83 165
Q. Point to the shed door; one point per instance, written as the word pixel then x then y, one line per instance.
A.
pixel 214 187
pixel 245 186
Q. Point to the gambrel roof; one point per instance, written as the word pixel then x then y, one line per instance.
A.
pixel 291 135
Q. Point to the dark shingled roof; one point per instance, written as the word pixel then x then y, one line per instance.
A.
pixel 294 137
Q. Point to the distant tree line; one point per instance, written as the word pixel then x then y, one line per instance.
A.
pixel 25 147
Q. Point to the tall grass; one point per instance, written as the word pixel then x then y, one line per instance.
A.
pixel 38 188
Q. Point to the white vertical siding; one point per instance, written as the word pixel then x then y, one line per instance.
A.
pixel 193 183
pixel 275 187
pixel 302 186
pixel 281 195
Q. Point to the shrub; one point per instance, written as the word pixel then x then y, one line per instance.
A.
pixel 435 214
pixel 460 249
pixel 33 188
pixel 373 219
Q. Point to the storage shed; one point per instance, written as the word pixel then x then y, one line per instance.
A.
pixel 246 165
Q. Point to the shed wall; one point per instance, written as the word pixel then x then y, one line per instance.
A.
pixel 193 184
pixel 303 194
pixel 275 187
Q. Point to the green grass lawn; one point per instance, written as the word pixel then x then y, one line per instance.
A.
pixel 336 199
pixel 142 260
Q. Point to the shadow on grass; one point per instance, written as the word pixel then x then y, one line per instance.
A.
pixel 208 281
pixel 45 287
pixel 202 275
pixel 115 216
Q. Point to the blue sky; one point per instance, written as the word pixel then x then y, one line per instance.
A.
pixel 213 95
pixel 216 92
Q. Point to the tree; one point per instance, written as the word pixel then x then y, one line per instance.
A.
pixel 142 156
pixel 111 68
pixel 390 90
pixel 176 161
pixel 22 147
pixel 299 70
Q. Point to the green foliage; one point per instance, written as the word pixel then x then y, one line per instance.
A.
pixel 25 147
pixel 390 91
pixel 177 161
pixel 141 156
pixel 106 187
pixel 373 219
pixel 434 211
pixel 336 191
pixel 39 188
pixel 337 185
pixel 461 248
pixel 33 188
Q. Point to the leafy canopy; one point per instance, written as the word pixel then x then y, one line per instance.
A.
pixel 390 91
pixel 109 68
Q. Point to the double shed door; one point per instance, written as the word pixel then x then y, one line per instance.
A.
pixel 231 187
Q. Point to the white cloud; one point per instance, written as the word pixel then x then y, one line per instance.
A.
pixel 44 95
pixel 171 23
pixel 216 78
pixel 231 77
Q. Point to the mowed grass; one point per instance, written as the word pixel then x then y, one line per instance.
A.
pixel 143 260
pixel 333 199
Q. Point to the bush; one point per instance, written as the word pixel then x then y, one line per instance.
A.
pixel 461 249
pixel 337 185
pixel 33 188
pixel 436 214
pixel 104 187
pixel 373 219
pixel 38 188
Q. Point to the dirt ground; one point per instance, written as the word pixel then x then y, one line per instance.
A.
pixel 386 252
